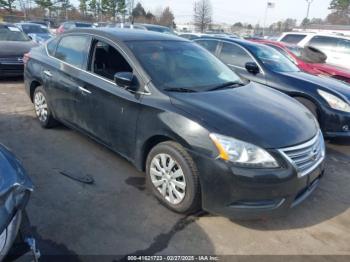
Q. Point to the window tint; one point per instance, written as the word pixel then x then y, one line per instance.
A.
pixel 107 61
pixel 344 46
pixel 293 38
pixel 51 46
pixel 210 45
pixel 324 42
pixel 232 54
pixel 73 50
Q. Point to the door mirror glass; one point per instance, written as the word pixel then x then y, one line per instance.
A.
pixel 125 80
pixel 252 68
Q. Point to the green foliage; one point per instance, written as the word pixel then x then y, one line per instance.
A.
pixel 44 3
pixel 340 5
pixel 8 5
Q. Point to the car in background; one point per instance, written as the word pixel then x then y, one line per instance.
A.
pixel 309 64
pixel 203 136
pixel 15 190
pixel 38 33
pixel 337 48
pixel 327 98
pixel 191 36
pixel 154 28
pixel 13 45
pixel 71 25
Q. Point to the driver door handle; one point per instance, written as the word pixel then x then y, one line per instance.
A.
pixel 83 90
pixel 47 73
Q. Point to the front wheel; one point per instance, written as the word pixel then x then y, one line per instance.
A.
pixel 173 177
pixel 42 109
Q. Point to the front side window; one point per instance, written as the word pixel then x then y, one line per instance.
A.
pixel 180 64
pixel 272 59
pixel 234 55
pixel 73 50
pixel 210 45
pixel 292 38
pixel 107 61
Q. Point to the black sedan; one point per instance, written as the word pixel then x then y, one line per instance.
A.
pixel 13 45
pixel 327 99
pixel 204 137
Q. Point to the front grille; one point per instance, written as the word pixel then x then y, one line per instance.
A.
pixel 307 156
pixel 11 60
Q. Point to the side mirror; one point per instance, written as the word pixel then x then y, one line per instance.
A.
pixel 125 80
pixel 252 68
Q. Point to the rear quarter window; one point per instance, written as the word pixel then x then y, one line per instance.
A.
pixel 51 46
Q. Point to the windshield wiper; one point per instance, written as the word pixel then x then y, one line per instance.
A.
pixel 227 85
pixel 179 89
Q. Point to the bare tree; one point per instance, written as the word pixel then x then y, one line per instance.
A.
pixel 202 14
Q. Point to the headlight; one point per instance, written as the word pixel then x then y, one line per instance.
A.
pixel 335 102
pixel 242 153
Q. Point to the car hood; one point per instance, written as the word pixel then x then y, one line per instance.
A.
pixel 319 82
pixel 252 113
pixel 15 186
pixel 15 48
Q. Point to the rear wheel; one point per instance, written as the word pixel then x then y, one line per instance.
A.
pixel 42 109
pixel 173 177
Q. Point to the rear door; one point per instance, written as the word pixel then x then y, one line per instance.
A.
pixel 65 84
pixel 236 58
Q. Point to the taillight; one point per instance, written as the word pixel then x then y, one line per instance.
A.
pixel 26 58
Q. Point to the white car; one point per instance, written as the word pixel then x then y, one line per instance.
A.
pixel 337 48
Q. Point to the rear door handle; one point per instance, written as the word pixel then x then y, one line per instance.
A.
pixel 47 73
pixel 83 90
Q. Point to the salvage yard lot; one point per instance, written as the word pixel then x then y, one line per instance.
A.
pixel 118 216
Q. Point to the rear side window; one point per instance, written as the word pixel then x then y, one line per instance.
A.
pixel 210 45
pixel 344 46
pixel 293 38
pixel 234 55
pixel 324 42
pixel 73 50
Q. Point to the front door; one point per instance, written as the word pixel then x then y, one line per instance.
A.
pixel 109 112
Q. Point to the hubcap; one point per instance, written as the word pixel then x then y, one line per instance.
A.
pixel 40 106
pixel 168 178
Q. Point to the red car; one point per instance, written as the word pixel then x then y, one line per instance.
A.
pixel 316 67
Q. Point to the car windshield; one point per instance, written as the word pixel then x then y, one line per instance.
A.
pixel 12 33
pixel 273 59
pixel 35 29
pixel 177 64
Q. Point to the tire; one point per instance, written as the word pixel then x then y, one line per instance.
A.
pixel 42 110
pixel 180 184
pixel 309 105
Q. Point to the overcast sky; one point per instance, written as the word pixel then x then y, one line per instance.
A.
pixel 249 11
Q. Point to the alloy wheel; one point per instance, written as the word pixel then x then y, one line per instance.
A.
pixel 168 178
pixel 40 106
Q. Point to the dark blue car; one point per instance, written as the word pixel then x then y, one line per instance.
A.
pixel 327 99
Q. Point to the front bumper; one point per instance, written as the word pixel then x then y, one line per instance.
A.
pixel 241 193
pixel 8 70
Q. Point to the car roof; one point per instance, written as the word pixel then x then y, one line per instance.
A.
pixel 239 41
pixel 153 26
pixel 31 24
pixel 6 25
pixel 317 34
pixel 124 35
